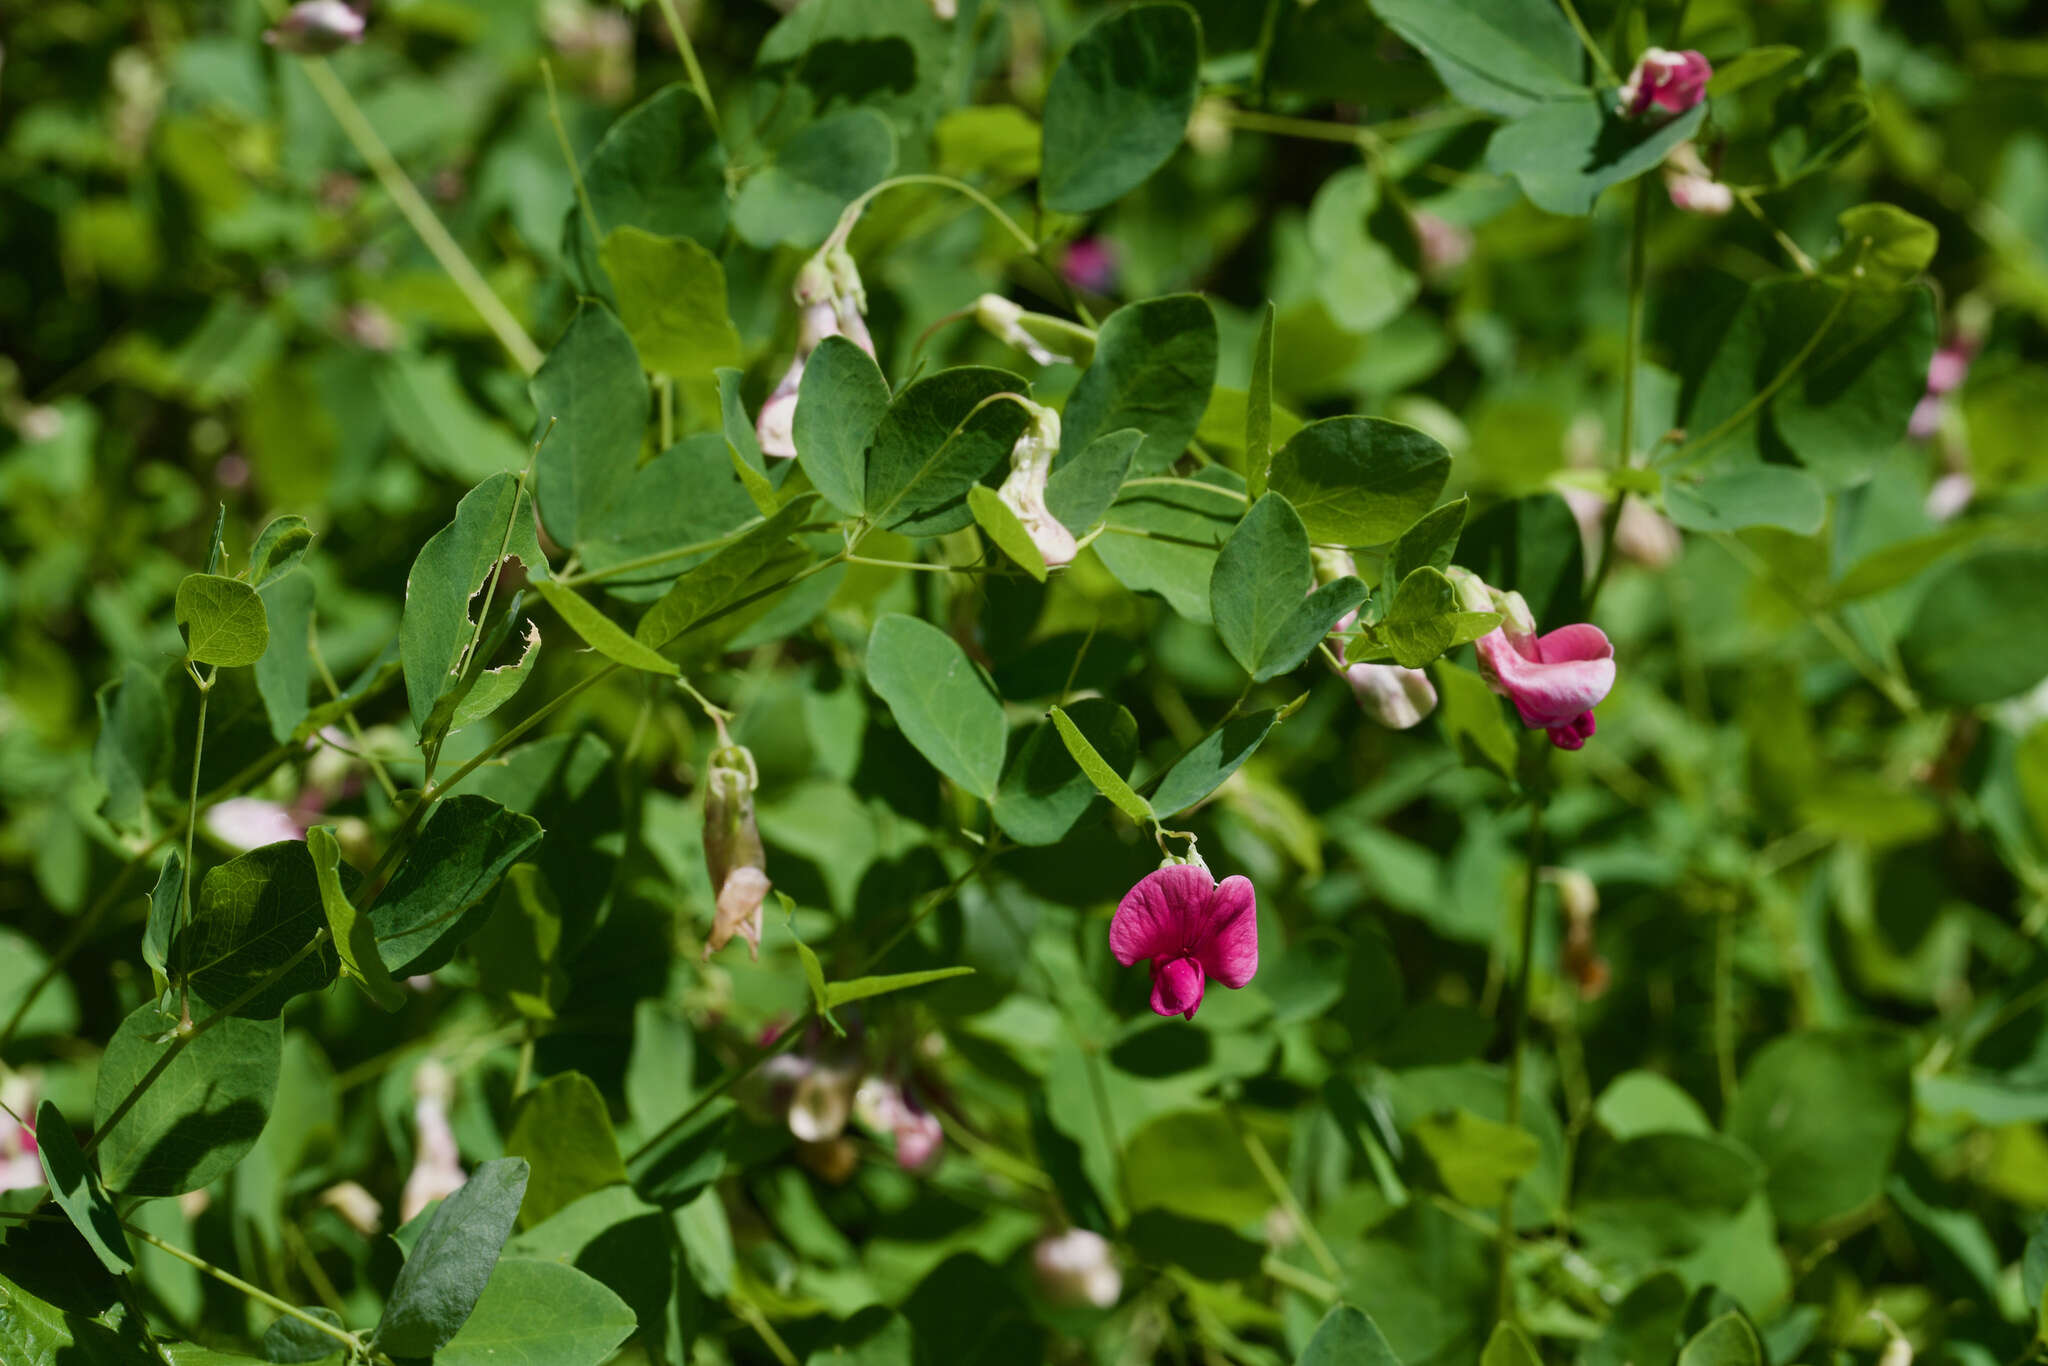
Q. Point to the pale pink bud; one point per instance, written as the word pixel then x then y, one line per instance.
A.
pixel 247 823
pixel 1077 1267
pixel 1395 697
pixel 1664 84
pixel 359 1209
pixel 1950 495
pixel 1692 186
pixel 20 1166
pixel 1445 245
pixel 437 1165
pixel 313 28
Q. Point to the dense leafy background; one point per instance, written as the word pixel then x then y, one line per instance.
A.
pixel 1800 1119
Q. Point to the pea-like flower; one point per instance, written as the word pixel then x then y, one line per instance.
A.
pixel 1554 680
pixel 1664 84
pixel 313 28
pixel 1024 491
pixel 732 849
pixel 834 302
pixel 1690 183
pixel 1193 929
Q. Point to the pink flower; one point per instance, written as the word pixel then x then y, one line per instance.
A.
pixel 315 27
pixel 21 1168
pixel 1090 264
pixel 1664 84
pixel 1692 186
pixel 1445 245
pixel 1554 680
pixel 1192 928
pixel 1949 495
pixel 247 823
pixel 882 1104
pixel 1946 371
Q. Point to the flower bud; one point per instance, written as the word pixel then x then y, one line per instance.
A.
pixel 1664 84
pixel 821 1104
pixel 1077 1267
pixel 732 849
pixel 1024 491
pixel 313 28
pixel 1692 186
pixel 1035 334
pixel 1396 697
pixel 1473 593
pixel 359 1209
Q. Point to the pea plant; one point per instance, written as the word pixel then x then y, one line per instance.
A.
pixel 934 681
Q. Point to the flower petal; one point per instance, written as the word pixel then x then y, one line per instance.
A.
pixel 1162 915
pixel 1548 694
pixel 1568 644
pixel 1177 987
pixel 1229 947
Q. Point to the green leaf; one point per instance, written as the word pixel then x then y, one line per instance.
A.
pixel 600 632
pixel 1534 544
pixel 1471 718
pixel 22 963
pixel 796 198
pixel 1193 1163
pixel 1746 496
pixel 1155 363
pixel 1825 1112
pixel 285 672
pixel 676 1166
pixel 222 621
pixel 1347 1337
pixel 1424 620
pixel 133 742
pixel 1509 1347
pixel 1197 1246
pixel 2034 1276
pixel 932 445
pixel 354 938
pixel 1118 105
pixel 1163 538
pixel 490 689
pixel 278 550
pixel 1043 795
pixel 993 139
pixel 77 1191
pixel 1749 67
pixel 1883 247
pixel 1259 592
pixel 743 572
pixel 516 951
pixel 1980 633
pixel 288 1340
pixel 672 301
pixel 216 544
pixel 1360 480
pixel 436 898
pixel 1817 120
pixel 199 1117
pixel 1661 1196
pixel 1258 409
pixel 164 904
pixel 1101 774
pixel 1477 1159
pixel 840 402
pixel 252 915
pixel 1504 56
pixel 660 168
pixel 744 443
pixel 1566 152
pixel 539 1313
pixel 996 519
pixel 494 521
pixel 445 1274
pixel 594 392
pixel 1210 763
pixel 941 701
pixel 1432 541
pixel 564 1132
pixel 861 988
pixel 1080 492
pixel 1727 1341
pixel 686 496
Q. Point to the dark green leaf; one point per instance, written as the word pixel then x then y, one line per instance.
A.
pixel 278 550
pixel 78 1192
pixel 1205 1249
pixel 1660 1196
pixel 675 1166
pixel 941 701
pixel 1080 492
pixel 1044 794
pixel 1748 495
pixel 1424 620
pixel 1155 363
pixel 285 672
pixel 1346 1337
pixel 165 902
pixel 932 445
pixel 1258 409
pixel 564 1132
pixel 671 294
pixel 1431 541
pixel 445 1274
pixel 1505 56
pixel 796 198
pixel 1360 480
pixel 593 390
pixel 1214 758
pixel 1727 1341
pixel 840 402
pixel 199 1117
pixel 254 914
pixel 1980 633
pixel 221 620
pixel 745 572
pixel 291 1342
pixel 133 742
pixel 536 1313
pixel 436 898
pixel 1825 1112
pixel 1118 105
pixel 1815 121
pixel 1566 152
pixel 661 169
pixel 517 949
pixel 1163 538
pixel 1259 592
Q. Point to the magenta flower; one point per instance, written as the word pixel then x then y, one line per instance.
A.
pixel 1090 263
pixel 1664 84
pixel 1192 928
pixel 1554 680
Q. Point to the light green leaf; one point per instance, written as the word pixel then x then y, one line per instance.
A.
pixel 164 904
pixel 1118 105
pixel 436 898
pixel 661 169
pixel 78 1192
pixel 1163 538
pixel 278 549
pixel 447 1270
pixel 1883 247
pixel 354 938
pixel 491 689
pixel 1471 718
pixel 1980 633
pixel 672 300
pixel 1816 121
pixel 934 443
pixel 221 620
pixel 285 672
pixel 1509 1347
pixel 1745 496
pixel 940 700
pixel 796 198
pixel 996 519
pixel 1504 56
pixel 744 572
pixel 992 139
pixel 1727 1341
pixel 600 632
pixel 564 1132
pixel 199 1117
pixel 132 744
pixel 1193 1163
pixel 1661 1196
pixel 252 915
pixel 1749 67
pixel 1099 771
pixel 1155 363
pixel 1210 763
pixel 1360 480
pixel 1424 621
pixel 1260 592
pixel 1566 152
pixel 289 1340
pixel 1431 541
pixel 517 948
pixel 1477 1159
pixel 861 988
pixel 840 402
pixel 540 1313
pixel 1044 795
pixel 594 392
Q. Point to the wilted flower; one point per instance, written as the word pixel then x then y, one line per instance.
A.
pixel 1554 680
pixel 822 1102
pixel 437 1165
pixel 1090 264
pixel 1580 898
pixel 732 848
pixel 832 299
pixel 1077 1267
pixel 1691 184
pixel 359 1209
pixel 21 1166
pixel 1024 491
pixel 1192 928
pixel 1664 84
pixel 316 27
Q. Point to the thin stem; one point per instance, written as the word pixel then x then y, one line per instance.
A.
pixel 1586 38
pixel 192 801
pixel 1747 198
pixel 498 746
pixel 1694 445
pixel 923 568
pixel 1518 1029
pixel 690 63
pixel 547 75
pixel 858 206
pixel 355 1344
pixel 1896 691
pixel 658 557
pixel 1294 1278
pixel 355 729
pixel 419 213
pixel 752 1316
pixel 666 388
pixel 1284 1193
pixel 1631 362
pixel 1170 480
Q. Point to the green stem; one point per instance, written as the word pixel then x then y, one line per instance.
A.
pixel 1276 1182
pixel 1586 39
pixel 690 64
pixel 659 557
pixel 1632 361
pixel 1518 1029
pixel 419 213
pixel 192 798
pixel 858 206
pixel 547 75
pixel 1724 1007
pixel 356 1346
pixel 1895 690
pixel 1695 445
pixel 1747 198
